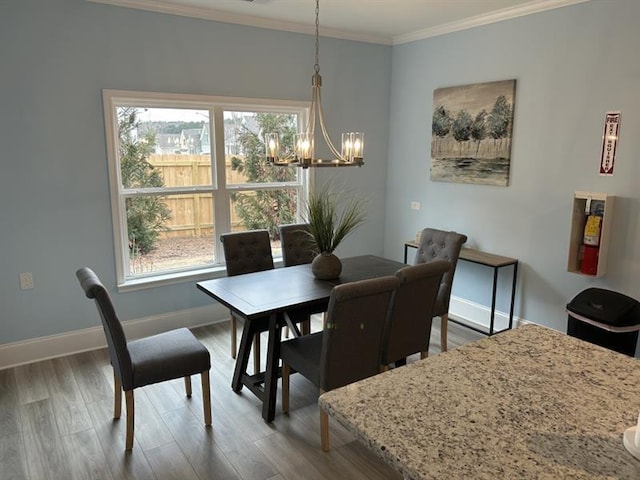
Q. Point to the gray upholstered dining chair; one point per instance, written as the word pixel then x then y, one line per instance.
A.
pixel 297 244
pixel 408 328
pixel 349 347
pixel 297 249
pixel 246 252
pixel 158 358
pixel 441 245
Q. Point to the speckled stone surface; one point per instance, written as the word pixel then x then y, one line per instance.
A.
pixel 528 403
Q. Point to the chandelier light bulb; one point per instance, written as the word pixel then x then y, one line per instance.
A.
pixel 272 141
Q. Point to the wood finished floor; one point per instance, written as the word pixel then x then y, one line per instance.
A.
pixel 56 423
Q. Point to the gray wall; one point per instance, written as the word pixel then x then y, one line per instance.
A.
pixel 572 65
pixel 55 58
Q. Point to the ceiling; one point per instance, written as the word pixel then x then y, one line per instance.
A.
pixel 377 21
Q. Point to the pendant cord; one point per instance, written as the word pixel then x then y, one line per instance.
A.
pixel 317 65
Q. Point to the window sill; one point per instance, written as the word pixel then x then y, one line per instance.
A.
pixel 171 279
pixel 178 277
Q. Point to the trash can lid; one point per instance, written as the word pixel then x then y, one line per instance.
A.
pixel 606 306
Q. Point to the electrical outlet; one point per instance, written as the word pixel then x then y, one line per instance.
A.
pixel 26 281
pixel 415 205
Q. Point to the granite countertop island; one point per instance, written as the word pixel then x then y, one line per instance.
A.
pixel 527 403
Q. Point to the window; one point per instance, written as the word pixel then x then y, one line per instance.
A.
pixel 185 168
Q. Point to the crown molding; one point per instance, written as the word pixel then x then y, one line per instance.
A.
pixel 535 6
pixel 247 20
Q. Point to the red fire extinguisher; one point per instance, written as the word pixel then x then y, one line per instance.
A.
pixel 591 243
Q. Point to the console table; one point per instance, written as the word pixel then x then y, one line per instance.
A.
pixel 489 260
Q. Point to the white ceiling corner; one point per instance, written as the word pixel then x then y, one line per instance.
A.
pixel 388 22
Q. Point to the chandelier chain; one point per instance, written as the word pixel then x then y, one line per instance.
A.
pixel 316 67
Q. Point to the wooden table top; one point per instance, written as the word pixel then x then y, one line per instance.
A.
pixel 263 293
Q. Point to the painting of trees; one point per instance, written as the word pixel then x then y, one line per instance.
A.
pixel 471 132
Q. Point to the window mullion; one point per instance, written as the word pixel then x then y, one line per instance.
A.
pixel 141 192
pixel 263 186
pixel 222 205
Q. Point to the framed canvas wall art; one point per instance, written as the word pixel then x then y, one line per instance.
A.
pixel 471 132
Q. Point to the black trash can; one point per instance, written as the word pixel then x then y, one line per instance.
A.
pixel 606 318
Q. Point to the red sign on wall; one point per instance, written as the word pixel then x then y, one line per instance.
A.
pixel 609 143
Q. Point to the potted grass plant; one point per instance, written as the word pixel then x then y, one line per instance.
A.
pixel 331 217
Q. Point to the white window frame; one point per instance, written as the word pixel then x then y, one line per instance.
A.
pixel 218 187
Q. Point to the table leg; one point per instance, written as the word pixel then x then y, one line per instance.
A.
pixel 271 374
pixel 493 300
pixel 513 294
pixel 293 328
pixel 242 358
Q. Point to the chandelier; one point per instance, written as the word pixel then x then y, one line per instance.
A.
pixel 304 143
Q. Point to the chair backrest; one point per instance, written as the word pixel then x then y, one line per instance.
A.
pixel 352 337
pixel 441 245
pixel 247 252
pixel 298 247
pixel 409 325
pixel 116 339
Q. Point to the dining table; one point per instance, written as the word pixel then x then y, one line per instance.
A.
pixel 528 403
pixel 271 299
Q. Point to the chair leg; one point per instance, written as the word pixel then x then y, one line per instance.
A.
pixel 234 336
pixel 286 373
pixel 400 363
pixel 444 321
pixel 206 397
pixel 324 430
pixel 187 385
pixel 424 354
pixel 306 327
pixel 128 395
pixel 117 395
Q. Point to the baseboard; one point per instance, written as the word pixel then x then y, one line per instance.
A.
pixel 43 348
pixel 478 316
pixel 52 346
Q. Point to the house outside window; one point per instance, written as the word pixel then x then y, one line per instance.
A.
pixel 184 169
